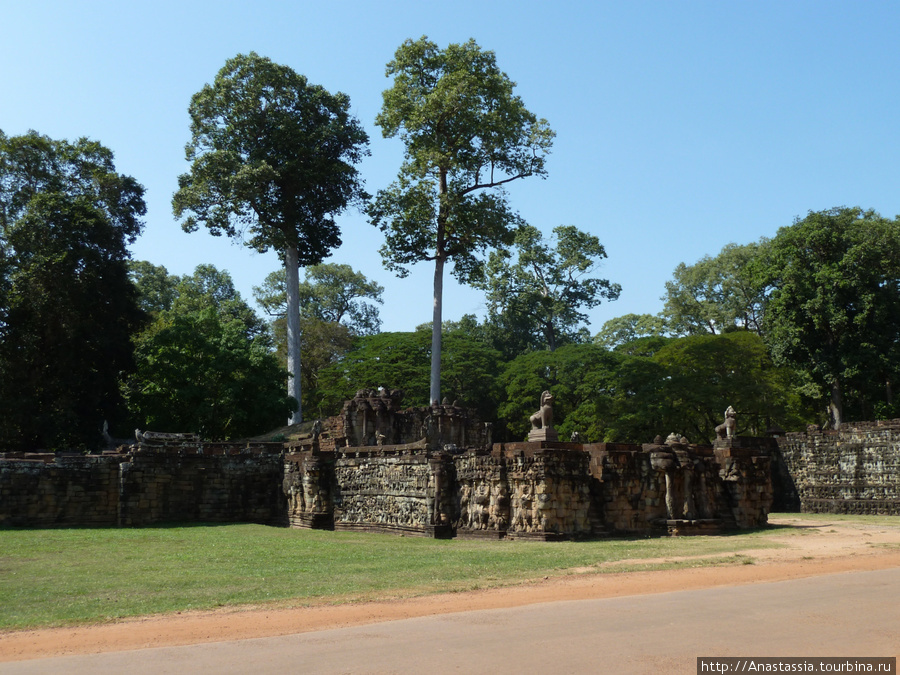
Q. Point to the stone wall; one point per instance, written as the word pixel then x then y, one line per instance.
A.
pixel 46 490
pixel 430 471
pixel 212 483
pixel 160 483
pixel 853 470
pixel 682 488
pixel 544 490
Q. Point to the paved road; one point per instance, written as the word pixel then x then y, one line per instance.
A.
pixel 851 614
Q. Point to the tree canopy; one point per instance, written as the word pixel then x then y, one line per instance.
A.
pixel 272 163
pixel 401 360
pixel 69 308
pixel 834 298
pixel 206 364
pixel 716 294
pixel 330 292
pixel 466 135
pixel 541 296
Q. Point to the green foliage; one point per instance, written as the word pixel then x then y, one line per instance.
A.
pixel 578 375
pixel 33 164
pixel 466 135
pixel 659 386
pixel 834 280
pixel 541 296
pixel 330 293
pixel 206 365
pixel 157 289
pixel 401 360
pixel 716 295
pixel 625 329
pixel 271 159
pixel 707 373
pixel 68 307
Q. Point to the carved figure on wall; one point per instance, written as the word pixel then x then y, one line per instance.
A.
pixel 316 429
pixel 729 427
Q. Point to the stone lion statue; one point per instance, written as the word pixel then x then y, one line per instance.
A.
pixel 543 418
pixel 729 426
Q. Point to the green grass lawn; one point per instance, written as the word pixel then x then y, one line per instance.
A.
pixel 71 576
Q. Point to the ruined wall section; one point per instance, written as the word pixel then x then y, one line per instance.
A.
pixel 747 476
pixel 47 490
pixel 682 489
pixel 377 419
pixel 549 488
pixel 524 490
pixel 631 492
pixel 147 485
pixel 483 500
pixel 853 470
pixel 203 483
pixel 394 490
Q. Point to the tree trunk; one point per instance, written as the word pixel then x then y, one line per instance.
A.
pixel 437 321
pixel 436 326
pixel 292 283
pixel 835 407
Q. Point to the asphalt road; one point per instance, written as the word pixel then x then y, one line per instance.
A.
pixel 850 614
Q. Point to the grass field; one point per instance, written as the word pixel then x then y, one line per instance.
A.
pixel 73 576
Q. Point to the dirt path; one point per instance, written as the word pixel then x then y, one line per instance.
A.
pixel 811 548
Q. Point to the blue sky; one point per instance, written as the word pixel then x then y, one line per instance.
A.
pixel 681 126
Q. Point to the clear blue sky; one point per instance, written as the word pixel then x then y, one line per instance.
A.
pixel 681 126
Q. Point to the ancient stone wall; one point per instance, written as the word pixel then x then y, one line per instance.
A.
pixel 429 471
pixel 209 483
pixel 685 489
pixel 376 418
pixel 46 490
pixel 165 482
pixel 524 490
pixel 853 470
pixel 399 489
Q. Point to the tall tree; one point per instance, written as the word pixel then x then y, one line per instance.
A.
pixel 466 135
pixel 66 218
pixel 544 292
pixel 330 292
pixel 716 294
pixel 272 163
pixel 834 280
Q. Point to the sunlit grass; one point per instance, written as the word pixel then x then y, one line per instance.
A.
pixel 71 576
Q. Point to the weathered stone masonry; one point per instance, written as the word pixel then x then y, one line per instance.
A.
pixel 430 471
pixel 174 482
pixel 453 481
pixel 853 470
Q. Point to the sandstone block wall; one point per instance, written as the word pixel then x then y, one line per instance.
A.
pixel 143 486
pixel 45 490
pixel 217 483
pixel 853 470
pixel 682 488
pixel 537 490
pixel 399 489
